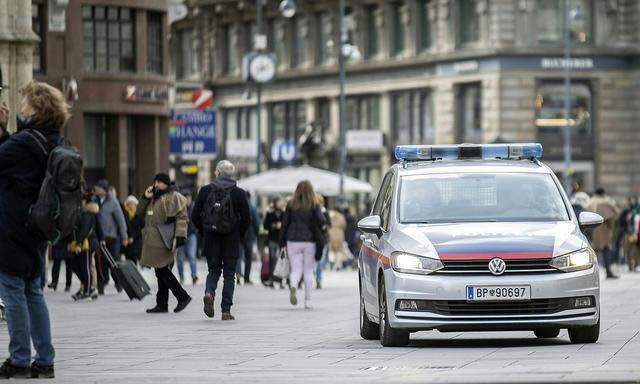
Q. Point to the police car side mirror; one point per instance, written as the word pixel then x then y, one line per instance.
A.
pixel 371 224
pixel 589 220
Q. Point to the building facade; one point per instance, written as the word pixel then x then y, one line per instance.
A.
pixel 17 43
pixel 111 59
pixel 438 71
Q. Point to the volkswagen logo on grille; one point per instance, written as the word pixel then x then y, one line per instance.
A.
pixel 497 266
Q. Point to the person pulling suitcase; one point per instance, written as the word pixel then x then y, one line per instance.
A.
pixel 165 210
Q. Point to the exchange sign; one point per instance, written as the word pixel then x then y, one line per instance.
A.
pixel 192 133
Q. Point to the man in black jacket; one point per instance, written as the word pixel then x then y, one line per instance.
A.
pixel 221 250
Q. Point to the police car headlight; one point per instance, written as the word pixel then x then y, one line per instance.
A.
pixel 408 263
pixel 575 261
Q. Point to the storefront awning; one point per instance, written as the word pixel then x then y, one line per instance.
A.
pixel 284 181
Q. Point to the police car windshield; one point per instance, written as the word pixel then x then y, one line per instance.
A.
pixel 480 197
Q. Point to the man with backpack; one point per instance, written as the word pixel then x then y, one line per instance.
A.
pixel 221 215
pixel 27 223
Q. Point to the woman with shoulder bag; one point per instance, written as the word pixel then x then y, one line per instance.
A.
pixel 302 225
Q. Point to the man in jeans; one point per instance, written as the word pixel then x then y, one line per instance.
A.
pixel 190 248
pixel 113 227
pixel 221 249
pixel 23 163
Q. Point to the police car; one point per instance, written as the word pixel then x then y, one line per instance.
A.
pixel 476 238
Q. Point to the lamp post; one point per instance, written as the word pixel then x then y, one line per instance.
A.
pixel 567 97
pixel 341 102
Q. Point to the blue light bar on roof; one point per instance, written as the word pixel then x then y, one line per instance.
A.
pixel 468 151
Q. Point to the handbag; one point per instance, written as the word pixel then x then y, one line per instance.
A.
pixel 282 268
pixel 167 233
pixel 319 238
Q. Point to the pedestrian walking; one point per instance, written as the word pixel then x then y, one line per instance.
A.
pixel 60 253
pixel 273 225
pixel 114 228
pixel 323 259
pixel 43 112
pixel 303 220
pixel 603 235
pixel 630 232
pixel 136 223
pixel 221 215
pixel 82 244
pixel 190 248
pixel 246 244
pixel 337 255
pixel 163 204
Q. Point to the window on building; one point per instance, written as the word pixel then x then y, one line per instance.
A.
pixel 240 123
pixel 424 25
pixel 469 113
pixel 550 118
pixel 298 41
pixel 324 37
pixel 37 23
pixel 398 28
pixel 95 143
pixel 154 42
pixel 229 48
pixel 372 37
pixel 412 117
pixel 185 48
pixel 362 112
pixel 550 21
pixel 108 43
pixel 279 39
pixel 323 114
pixel 287 120
pixel 468 22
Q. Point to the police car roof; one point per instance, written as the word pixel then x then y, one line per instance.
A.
pixel 471 166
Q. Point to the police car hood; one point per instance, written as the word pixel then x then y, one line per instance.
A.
pixel 484 241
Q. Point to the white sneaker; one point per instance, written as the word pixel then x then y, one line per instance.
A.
pixel 308 305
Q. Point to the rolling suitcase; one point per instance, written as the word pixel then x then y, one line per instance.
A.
pixel 128 276
pixel 265 276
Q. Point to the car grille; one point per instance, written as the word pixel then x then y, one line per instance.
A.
pixel 482 266
pixel 464 308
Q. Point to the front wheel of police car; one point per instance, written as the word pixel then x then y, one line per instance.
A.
pixel 389 337
pixel 585 335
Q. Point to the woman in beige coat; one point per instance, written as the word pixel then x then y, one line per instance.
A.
pixel 163 204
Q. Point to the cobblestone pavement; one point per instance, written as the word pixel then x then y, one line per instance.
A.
pixel 112 340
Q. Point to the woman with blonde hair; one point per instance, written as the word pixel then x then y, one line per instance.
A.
pixel 23 162
pixel 301 223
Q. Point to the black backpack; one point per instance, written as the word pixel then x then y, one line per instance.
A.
pixel 218 215
pixel 59 203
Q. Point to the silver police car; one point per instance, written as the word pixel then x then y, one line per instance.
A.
pixel 476 238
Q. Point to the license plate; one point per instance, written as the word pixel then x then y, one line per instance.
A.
pixel 498 292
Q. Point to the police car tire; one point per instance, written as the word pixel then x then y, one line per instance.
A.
pixel 368 329
pixel 547 333
pixel 585 335
pixel 389 337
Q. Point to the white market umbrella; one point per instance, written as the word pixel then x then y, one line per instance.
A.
pixel 284 181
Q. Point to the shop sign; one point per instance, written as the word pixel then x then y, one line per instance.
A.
pixel 283 151
pixel 562 63
pixel 137 94
pixel 192 133
pixel 244 148
pixel 364 141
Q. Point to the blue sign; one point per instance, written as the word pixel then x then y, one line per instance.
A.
pixel 283 151
pixel 192 133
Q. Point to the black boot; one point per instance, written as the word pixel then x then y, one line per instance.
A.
pixel 42 372
pixel 8 370
pixel 182 304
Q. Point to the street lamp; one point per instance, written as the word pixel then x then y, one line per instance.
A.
pixel 569 15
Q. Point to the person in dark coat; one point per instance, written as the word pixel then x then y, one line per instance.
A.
pixel 222 250
pixel 82 244
pixel 246 244
pixel 135 224
pixel 23 162
pixel 273 226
